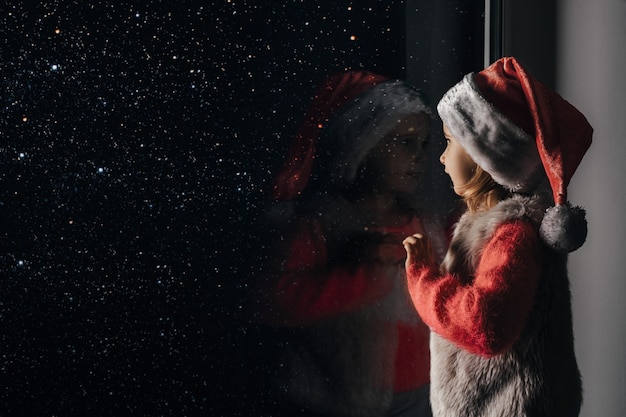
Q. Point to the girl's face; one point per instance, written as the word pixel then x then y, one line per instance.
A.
pixel 458 164
pixel 398 161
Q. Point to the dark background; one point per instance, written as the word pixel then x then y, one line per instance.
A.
pixel 137 144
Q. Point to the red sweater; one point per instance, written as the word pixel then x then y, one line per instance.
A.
pixel 486 313
pixel 310 290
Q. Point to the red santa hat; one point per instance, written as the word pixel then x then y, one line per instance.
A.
pixel 520 131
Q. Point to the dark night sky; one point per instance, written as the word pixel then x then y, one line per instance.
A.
pixel 137 144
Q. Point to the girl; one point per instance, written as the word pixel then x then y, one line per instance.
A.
pixel 355 345
pixel 499 307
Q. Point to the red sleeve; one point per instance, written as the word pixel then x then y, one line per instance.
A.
pixel 488 315
pixel 308 289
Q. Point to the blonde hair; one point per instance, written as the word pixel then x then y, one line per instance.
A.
pixel 481 192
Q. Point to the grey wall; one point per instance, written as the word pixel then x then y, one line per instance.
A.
pixel 577 46
pixel 591 66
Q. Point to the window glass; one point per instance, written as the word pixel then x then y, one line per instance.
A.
pixel 139 145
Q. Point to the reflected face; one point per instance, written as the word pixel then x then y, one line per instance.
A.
pixel 458 164
pixel 398 162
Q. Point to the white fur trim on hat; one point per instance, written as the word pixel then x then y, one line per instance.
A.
pixel 363 123
pixel 493 141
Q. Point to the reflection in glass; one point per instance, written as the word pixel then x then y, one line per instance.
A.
pixel 336 294
pixel 138 144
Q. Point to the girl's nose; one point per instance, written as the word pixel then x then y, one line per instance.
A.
pixel 442 158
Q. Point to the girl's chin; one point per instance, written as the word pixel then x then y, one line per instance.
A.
pixel 458 191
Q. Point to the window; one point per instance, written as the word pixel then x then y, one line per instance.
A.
pixel 139 141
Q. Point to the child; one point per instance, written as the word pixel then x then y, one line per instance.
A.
pixel 499 307
pixel 356 346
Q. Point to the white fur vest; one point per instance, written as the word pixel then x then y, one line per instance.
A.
pixel 538 376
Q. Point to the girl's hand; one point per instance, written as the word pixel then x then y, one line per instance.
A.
pixel 418 249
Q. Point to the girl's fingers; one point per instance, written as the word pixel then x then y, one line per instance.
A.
pixel 413 239
pixel 417 247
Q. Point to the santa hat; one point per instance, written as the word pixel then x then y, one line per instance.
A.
pixel 350 113
pixel 520 131
pixel 360 125
pixel 334 91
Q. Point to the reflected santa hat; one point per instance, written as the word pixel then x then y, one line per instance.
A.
pixel 333 92
pixel 520 131
pixel 349 114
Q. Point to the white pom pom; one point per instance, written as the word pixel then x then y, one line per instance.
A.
pixel 564 228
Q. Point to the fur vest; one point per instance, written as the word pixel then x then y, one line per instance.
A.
pixel 538 376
